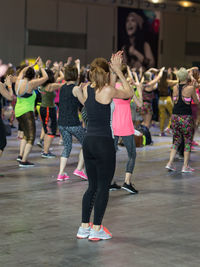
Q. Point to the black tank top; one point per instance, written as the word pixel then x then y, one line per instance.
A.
pixel 99 116
pixel 68 107
pixel 181 108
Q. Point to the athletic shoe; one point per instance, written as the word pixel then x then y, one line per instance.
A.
pixel 48 155
pixel 102 234
pixel 40 144
pixel 19 158
pixel 129 188
pixel 62 177
pixel 80 174
pixel 170 168
pixel 84 232
pixel 26 164
pixel 162 134
pixel 60 142
pixel 168 130
pixel 114 187
pixel 187 169
pixel 194 143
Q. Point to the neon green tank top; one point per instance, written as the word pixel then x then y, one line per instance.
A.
pixel 25 104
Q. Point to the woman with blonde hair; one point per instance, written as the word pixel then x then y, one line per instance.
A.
pixel 182 122
pixel 98 145
pixel 149 85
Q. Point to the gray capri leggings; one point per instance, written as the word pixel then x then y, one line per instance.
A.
pixel 67 132
pixel 129 143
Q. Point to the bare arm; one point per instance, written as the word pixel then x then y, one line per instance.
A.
pixel 113 78
pixel 78 66
pixel 171 83
pixel 52 87
pixel 23 71
pixel 78 92
pixel 8 94
pixel 125 91
pixel 60 77
pixel 193 68
pixel 138 101
pixel 194 96
pixel 36 82
pixel 157 78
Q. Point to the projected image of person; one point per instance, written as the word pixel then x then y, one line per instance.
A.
pixel 135 35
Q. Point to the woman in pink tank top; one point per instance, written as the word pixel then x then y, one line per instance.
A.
pixel 122 125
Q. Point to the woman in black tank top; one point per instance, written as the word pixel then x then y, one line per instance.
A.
pixel 182 122
pixel 98 145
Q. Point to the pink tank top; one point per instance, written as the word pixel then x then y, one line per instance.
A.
pixel 122 123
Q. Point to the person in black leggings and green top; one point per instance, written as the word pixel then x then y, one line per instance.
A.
pixel 25 85
pixel 98 145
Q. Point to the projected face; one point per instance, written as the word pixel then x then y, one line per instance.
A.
pixel 131 25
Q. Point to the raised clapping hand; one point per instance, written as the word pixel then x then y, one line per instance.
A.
pixel 116 61
pixel 48 63
pixel 39 62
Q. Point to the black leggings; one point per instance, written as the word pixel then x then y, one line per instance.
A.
pixel 27 125
pixel 2 135
pixel 49 120
pixel 100 157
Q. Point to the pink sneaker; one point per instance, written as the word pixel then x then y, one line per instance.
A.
pixel 187 169
pixel 80 174
pixel 62 177
pixel 194 143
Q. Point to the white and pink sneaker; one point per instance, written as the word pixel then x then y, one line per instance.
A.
pixel 187 169
pixel 80 174
pixel 63 177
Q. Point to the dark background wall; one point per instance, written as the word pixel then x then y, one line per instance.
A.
pixel 92 27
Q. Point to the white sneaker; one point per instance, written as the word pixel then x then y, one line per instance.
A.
pixel 102 234
pixel 83 232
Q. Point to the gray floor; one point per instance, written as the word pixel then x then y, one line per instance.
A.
pixel 39 217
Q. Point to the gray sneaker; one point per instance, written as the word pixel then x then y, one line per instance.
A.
pixel 83 232
pixel 102 234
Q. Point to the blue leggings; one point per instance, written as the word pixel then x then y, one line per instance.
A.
pixel 67 132
pixel 129 143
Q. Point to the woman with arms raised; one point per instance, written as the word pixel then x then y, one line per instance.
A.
pixel 98 146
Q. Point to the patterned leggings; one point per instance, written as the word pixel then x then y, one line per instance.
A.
pixel 182 126
pixel 67 132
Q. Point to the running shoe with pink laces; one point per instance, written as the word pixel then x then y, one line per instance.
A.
pixel 102 234
pixel 80 174
pixel 187 169
pixel 62 177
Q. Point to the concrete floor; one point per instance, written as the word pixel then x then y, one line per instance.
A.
pixel 39 218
